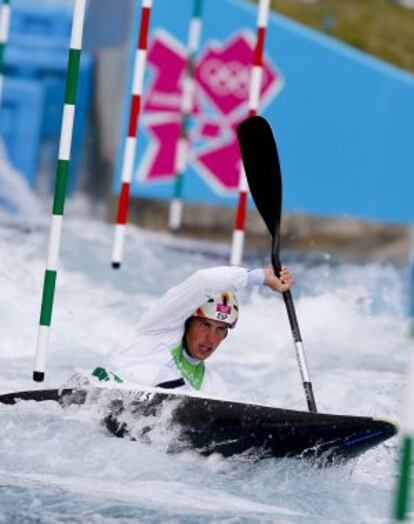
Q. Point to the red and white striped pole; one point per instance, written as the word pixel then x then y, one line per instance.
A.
pixel 253 107
pixel 131 140
pixel 4 37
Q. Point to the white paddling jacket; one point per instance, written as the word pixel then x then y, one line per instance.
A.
pixel 157 357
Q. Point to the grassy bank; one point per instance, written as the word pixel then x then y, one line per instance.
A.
pixel 378 27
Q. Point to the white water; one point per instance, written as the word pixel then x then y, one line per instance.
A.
pixel 58 466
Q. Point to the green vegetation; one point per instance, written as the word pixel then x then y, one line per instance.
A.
pixel 379 27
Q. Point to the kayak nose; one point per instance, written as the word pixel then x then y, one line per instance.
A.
pixel 376 431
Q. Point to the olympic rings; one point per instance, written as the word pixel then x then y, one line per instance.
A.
pixel 226 78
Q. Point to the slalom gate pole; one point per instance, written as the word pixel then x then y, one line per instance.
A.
pixel 60 188
pixel 187 105
pixel 131 139
pixel 411 283
pixel 402 492
pixel 236 255
pixel 4 37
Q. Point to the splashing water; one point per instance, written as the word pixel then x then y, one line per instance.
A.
pixel 62 466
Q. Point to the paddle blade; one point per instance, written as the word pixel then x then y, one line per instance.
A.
pixel 261 164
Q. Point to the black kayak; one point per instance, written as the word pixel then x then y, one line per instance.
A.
pixel 226 427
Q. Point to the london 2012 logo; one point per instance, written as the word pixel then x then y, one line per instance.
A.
pixel 222 77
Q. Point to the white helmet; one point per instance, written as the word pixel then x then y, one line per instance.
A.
pixel 223 307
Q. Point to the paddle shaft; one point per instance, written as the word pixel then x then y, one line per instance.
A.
pixel 300 353
pixel 262 167
pixel 294 326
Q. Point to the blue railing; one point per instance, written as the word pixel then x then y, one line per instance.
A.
pixel 35 76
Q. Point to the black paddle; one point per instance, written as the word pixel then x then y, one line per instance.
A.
pixel 261 164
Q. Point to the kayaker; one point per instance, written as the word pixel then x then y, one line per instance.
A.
pixel 185 327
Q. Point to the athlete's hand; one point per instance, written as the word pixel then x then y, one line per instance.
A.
pixel 281 283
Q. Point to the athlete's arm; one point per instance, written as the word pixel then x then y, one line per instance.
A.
pixel 280 283
pixel 181 301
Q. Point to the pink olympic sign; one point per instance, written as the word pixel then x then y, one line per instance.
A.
pixel 222 77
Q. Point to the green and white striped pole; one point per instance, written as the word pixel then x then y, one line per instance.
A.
pixel 187 105
pixel 4 37
pixel 411 283
pixel 402 495
pixel 60 188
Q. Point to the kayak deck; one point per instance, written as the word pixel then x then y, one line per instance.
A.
pixel 229 428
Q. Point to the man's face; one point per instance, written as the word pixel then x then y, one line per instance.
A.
pixel 203 336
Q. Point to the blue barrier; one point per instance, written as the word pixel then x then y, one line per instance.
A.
pixel 21 124
pixel 40 24
pixel 49 66
pixel 344 120
pixel 38 51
